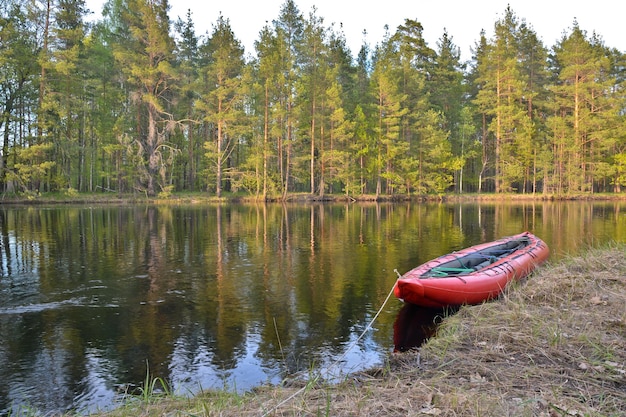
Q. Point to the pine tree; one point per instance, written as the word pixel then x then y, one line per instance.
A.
pixel 187 51
pixel 532 143
pixel 63 100
pixel 476 83
pixel 339 168
pixel 363 142
pixel 289 29
pixel 222 103
pixel 311 87
pixel 267 76
pixel 504 87
pixel 447 95
pixel 146 58
pixel 586 110
pixel 386 87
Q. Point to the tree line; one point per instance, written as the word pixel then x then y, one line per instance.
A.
pixel 137 103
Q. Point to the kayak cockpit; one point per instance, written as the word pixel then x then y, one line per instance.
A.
pixel 475 261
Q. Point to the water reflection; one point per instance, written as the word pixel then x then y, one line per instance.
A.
pixel 414 325
pixel 226 296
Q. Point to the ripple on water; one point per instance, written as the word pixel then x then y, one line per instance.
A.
pixel 54 305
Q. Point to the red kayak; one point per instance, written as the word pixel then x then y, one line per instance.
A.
pixel 474 274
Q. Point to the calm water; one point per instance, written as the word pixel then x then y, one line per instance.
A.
pixel 228 296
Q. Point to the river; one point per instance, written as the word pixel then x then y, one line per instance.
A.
pixel 93 299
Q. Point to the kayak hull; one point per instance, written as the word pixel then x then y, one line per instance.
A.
pixel 472 275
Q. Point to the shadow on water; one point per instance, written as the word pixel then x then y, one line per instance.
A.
pixel 414 325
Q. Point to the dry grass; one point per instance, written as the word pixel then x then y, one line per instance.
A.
pixel 553 346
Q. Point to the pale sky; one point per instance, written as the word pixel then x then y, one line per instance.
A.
pixel 463 19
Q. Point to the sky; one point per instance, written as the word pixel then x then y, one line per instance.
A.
pixel 462 19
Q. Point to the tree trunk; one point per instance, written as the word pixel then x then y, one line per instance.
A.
pixel 151 150
pixel 265 140
pixel 218 179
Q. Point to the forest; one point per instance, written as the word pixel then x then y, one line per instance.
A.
pixel 138 103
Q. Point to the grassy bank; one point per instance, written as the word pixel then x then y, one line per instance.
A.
pixel 551 346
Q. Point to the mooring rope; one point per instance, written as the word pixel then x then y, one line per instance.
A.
pixel 336 362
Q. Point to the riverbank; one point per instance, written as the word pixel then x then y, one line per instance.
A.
pixel 551 346
pixel 73 197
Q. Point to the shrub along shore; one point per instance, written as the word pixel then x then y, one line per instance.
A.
pixel 552 345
